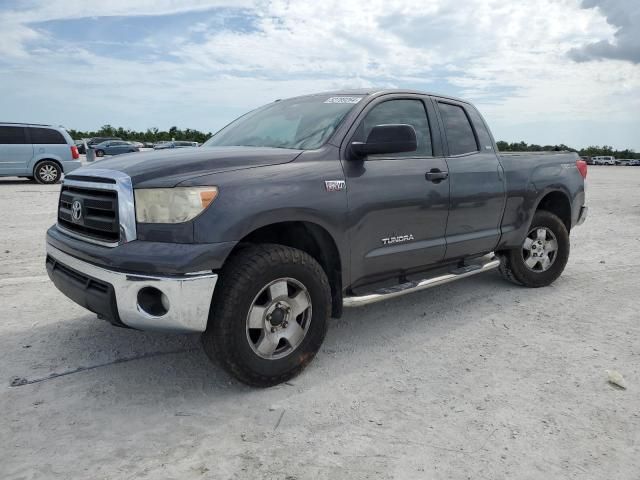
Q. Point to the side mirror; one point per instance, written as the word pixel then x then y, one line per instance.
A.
pixel 395 138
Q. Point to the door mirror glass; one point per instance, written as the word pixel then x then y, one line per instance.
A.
pixel 385 139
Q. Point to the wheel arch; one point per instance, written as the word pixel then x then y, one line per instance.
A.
pixel 47 159
pixel 558 203
pixel 311 238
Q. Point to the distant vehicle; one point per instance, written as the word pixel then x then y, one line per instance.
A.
pixel 80 146
pixel 184 144
pixel 176 144
pixel 136 144
pixel 92 142
pixel 623 161
pixel 604 160
pixel 40 152
pixel 161 145
pixel 634 163
pixel 114 147
pixel 589 160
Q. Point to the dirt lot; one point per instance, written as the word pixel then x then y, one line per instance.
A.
pixel 478 379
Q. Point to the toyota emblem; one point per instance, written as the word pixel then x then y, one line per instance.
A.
pixel 76 211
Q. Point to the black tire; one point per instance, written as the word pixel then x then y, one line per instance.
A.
pixel 243 277
pixel 47 172
pixel 99 153
pixel 513 266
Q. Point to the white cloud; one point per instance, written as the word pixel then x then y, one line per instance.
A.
pixel 625 45
pixel 509 57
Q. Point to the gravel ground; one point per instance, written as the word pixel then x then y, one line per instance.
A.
pixel 477 379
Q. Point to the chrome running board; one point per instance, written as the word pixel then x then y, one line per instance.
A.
pixel 489 263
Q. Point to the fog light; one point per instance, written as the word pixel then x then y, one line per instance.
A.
pixel 153 302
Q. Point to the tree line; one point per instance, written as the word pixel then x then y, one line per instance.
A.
pixel 150 135
pixel 155 135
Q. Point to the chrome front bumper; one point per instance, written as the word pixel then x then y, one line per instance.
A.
pixel 167 303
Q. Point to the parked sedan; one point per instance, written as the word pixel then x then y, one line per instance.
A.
pixel 114 147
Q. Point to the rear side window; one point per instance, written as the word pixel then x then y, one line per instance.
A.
pixel 460 137
pixel 45 136
pixel 12 136
pixel 409 112
pixel 481 129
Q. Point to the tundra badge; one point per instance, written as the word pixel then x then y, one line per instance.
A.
pixel 397 239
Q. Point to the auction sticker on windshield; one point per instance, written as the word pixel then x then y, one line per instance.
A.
pixel 343 100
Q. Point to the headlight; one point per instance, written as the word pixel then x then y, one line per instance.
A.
pixel 172 205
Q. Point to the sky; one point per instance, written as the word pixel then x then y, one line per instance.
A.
pixel 541 71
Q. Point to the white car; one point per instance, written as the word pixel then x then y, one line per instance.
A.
pixel 604 160
pixel 174 144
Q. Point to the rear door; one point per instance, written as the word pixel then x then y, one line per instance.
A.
pixel 15 151
pixel 49 142
pixel 397 216
pixel 476 181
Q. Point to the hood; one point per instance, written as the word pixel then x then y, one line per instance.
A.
pixel 167 168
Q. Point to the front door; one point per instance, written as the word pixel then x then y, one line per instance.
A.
pixel 397 207
pixel 15 152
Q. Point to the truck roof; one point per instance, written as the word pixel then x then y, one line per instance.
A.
pixel 381 91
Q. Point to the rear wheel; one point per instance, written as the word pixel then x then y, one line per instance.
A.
pixel 543 255
pixel 269 314
pixel 47 172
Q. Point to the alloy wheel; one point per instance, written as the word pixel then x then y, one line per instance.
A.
pixel 279 318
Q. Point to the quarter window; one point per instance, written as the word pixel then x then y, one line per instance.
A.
pixel 12 136
pixel 460 136
pixel 409 112
pixel 45 136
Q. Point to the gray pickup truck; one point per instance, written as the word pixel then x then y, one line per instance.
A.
pixel 300 208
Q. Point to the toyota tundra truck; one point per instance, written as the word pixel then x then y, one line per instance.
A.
pixel 301 208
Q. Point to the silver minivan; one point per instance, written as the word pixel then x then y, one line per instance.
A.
pixel 40 152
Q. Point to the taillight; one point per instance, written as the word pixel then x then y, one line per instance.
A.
pixel 582 167
pixel 74 152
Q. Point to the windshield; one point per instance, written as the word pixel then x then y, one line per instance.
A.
pixel 301 123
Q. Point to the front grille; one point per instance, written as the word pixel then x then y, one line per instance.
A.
pixel 99 212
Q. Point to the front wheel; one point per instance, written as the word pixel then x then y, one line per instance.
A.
pixel 269 314
pixel 543 255
pixel 99 153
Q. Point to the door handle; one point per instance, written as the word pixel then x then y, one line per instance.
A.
pixel 436 175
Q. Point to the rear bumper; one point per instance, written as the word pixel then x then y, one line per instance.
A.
pixel 584 210
pixel 176 303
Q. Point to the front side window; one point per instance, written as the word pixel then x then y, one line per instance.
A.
pixel 303 123
pixel 460 136
pixel 409 112
pixel 12 136
pixel 45 136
